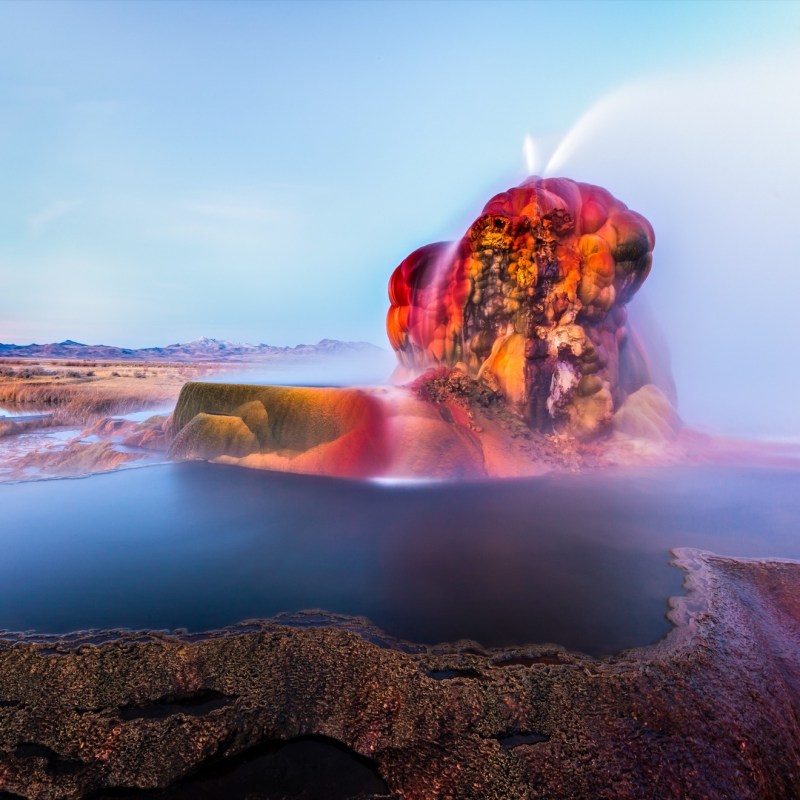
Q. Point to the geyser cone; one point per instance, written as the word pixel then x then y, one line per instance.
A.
pixel 531 302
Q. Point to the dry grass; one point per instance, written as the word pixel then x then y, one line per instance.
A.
pixel 88 390
pixel 81 402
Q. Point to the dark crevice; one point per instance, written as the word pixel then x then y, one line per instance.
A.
pixel 446 414
pixel 56 764
pixel 304 768
pixel 196 704
pixel 449 674
pixel 510 740
pixel 473 651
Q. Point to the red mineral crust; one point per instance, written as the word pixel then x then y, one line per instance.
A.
pixel 531 301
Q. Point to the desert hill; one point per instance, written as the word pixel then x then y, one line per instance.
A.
pixel 202 349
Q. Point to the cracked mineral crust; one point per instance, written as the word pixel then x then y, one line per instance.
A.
pixel 710 712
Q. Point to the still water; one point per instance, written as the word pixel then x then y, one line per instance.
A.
pixel 580 560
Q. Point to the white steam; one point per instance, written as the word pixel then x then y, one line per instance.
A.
pixel 712 159
pixel 531 156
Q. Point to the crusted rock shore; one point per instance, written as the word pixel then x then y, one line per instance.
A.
pixel 710 712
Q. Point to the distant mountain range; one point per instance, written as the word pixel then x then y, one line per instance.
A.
pixel 202 349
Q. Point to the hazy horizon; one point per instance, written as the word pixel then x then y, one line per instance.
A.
pixel 194 340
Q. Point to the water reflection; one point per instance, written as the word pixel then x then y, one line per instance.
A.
pixel 579 560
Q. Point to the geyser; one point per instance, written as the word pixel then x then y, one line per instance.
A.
pixel 531 302
pixel 511 334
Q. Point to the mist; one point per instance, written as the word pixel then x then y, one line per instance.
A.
pixel 710 158
pixel 368 367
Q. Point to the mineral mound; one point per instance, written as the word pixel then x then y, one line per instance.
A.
pixel 515 347
pixel 531 301
pixel 325 431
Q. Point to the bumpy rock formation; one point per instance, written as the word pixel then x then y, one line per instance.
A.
pixel 212 435
pixel 76 458
pixel 531 301
pixel 289 428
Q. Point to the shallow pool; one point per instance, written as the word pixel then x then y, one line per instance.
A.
pixel 581 560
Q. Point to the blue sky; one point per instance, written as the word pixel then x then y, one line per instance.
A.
pixel 254 171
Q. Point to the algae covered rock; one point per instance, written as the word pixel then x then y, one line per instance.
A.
pixel 329 431
pixel 255 416
pixel 212 435
pixel 299 417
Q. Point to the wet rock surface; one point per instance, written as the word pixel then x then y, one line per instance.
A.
pixel 709 712
pixel 531 301
pixel 53 450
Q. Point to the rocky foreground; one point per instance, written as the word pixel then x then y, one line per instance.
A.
pixel 710 712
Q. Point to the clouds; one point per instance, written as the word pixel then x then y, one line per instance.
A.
pixel 44 217
pixel 237 212
pixel 244 222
